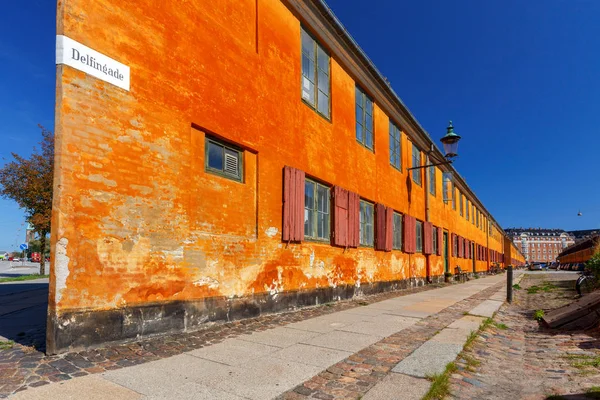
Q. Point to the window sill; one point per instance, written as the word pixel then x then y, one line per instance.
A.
pixel 223 175
pixel 372 150
pixel 328 119
pixel 317 241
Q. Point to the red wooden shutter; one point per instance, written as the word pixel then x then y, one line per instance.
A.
pixel 380 230
pixel 461 247
pixel 440 240
pixel 340 217
pixel 428 237
pixel 389 228
pixel 409 234
pixel 293 204
pixel 453 240
pixel 353 219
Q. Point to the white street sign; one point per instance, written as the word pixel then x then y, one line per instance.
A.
pixel 81 57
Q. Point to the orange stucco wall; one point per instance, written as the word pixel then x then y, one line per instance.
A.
pixel 137 219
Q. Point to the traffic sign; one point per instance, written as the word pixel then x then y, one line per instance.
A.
pixel 24 246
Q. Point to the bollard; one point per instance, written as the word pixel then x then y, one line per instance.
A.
pixel 509 283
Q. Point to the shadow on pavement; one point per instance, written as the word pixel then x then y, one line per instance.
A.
pixel 23 309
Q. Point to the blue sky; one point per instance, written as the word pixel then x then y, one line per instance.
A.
pixel 520 80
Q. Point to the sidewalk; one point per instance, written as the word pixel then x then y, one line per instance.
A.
pixel 337 355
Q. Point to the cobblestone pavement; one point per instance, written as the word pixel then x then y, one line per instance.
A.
pixel 357 374
pixel 521 360
pixel 24 366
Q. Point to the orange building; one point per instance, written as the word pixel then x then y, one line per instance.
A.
pixel 220 159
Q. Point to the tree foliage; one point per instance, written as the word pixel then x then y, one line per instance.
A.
pixel 28 181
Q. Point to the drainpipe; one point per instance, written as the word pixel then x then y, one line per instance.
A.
pixel 427 216
pixel 487 240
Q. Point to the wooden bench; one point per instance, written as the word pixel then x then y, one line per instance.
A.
pixel 460 274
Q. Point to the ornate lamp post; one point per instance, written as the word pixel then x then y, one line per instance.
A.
pixel 450 143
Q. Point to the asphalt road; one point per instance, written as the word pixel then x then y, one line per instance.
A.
pixel 23 305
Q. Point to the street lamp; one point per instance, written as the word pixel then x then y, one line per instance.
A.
pixel 450 142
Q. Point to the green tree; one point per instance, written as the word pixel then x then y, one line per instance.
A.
pixel 28 181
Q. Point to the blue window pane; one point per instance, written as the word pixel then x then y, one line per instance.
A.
pixel 369 123
pixel 308 68
pixel 309 193
pixel 359 132
pixel 308 45
pixel 215 156
pixel 369 140
pixel 359 113
pixel 323 60
pixel 323 103
pixel 323 82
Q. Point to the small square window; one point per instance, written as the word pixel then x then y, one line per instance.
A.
pixel 223 159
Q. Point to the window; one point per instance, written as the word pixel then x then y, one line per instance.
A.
pixel 315 75
pixel 416 162
pixel 223 159
pixel 467 209
pixel 435 239
pixel 432 180
pixel 366 223
pixel 395 147
pixel 461 204
pixel 419 236
pixel 472 214
pixel 455 245
pixel 446 186
pixel 397 239
pixel 477 222
pixel 453 197
pixel 316 210
pixel 364 119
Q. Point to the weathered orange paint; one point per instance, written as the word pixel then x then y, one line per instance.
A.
pixel 138 220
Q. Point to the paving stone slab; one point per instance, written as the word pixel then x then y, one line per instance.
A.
pixel 452 336
pixel 264 378
pixel 94 387
pixel 410 313
pixel 345 341
pixel 279 337
pixel 487 308
pixel 381 325
pixel 194 391
pixel 312 355
pixel 167 375
pixel 429 359
pixel 468 323
pixel 233 351
pixel 398 387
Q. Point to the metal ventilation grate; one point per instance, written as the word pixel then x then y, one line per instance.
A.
pixel 231 162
